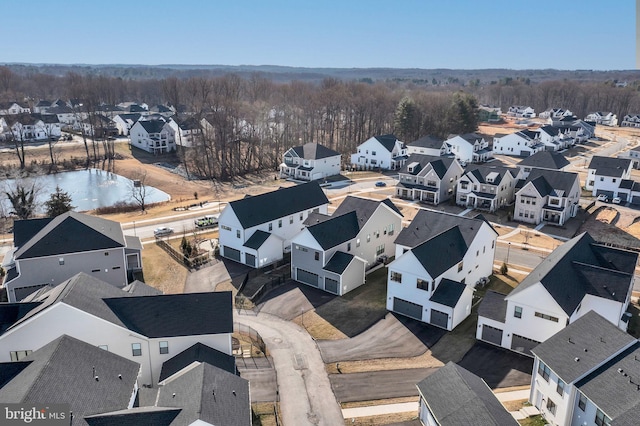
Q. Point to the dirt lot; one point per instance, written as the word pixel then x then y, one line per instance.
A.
pixel 610 225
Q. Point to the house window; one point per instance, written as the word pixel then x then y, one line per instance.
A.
pixel 614 180
pixel 300 217
pixel 551 406
pixel 164 347
pixel 422 284
pixel 544 371
pixel 517 311
pixel 290 220
pixel 238 233
pixel 460 266
pixel 464 185
pixel 547 317
pixel 61 261
pixel 348 246
pixel 380 250
pixel 601 179
pixel 317 256
pixel 226 228
pixel 368 237
pixel 582 402
pixel 280 223
pixel 136 349
pixel 103 347
pixel 391 229
pixel 358 242
pixel 602 419
pixel 373 153
pixel 560 387
pixel 396 276
pixel 270 227
pixel 18 355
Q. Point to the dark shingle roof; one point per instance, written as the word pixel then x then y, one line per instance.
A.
pixel 456 396
pixel 24 230
pixel 576 268
pixel 608 166
pixel 387 141
pixel 439 164
pixel 336 230
pixel 209 394
pixel 198 353
pixel 10 313
pixel 481 173
pixel 550 130
pixel 548 182
pixel 152 126
pixel 545 160
pixel 64 370
pixel 428 141
pixel 258 209
pixel 493 306
pixel 363 207
pixel 441 252
pixel 338 262
pixel 427 224
pixel 71 233
pixel 590 339
pixel 134 416
pixel 448 292
pixel 256 240
pixel 133 117
pixel 314 151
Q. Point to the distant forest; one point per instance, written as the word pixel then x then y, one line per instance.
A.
pixel 257 113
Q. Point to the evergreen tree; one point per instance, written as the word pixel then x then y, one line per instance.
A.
pixel 58 203
pixel 407 120
pixel 462 116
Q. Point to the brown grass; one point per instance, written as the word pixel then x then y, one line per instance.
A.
pixel 161 271
pixel 514 405
pixel 318 327
pixel 533 239
pixel 385 419
pixel 264 411
pixel 374 402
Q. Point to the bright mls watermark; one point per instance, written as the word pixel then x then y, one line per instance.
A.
pixel 35 414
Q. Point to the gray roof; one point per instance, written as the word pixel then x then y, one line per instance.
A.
pixel 209 394
pixel 138 288
pixel 441 252
pixel 134 117
pixel 428 141
pixel 579 267
pixel 152 126
pixel 482 172
pixel 338 262
pixel 336 230
pixel 259 209
pixel 456 397
pixel 173 315
pixel 608 166
pixel 439 164
pixel 10 313
pixel 427 224
pixel 363 207
pixel 256 240
pixel 493 306
pixel 545 160
pixel 582 346
pixel 448 292
pixel 65 371
pixel 198 353
pixel 72 232
pixel 314 151
pixel 134 417
pixel 387 141
pixel 24 230
pixel 547 182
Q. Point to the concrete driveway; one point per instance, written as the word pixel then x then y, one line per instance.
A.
pixel 499 367
pixel 207 278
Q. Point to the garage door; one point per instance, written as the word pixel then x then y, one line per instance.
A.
pixel 409 309
pixel 635 199
pixel 439 318
pixel 525 153
pixel 607 193
pixel 250 259
pixel 623 196
pixel 307 277
pixel 522 344
pixel 331 285
pixel 231 253
pixel 492 335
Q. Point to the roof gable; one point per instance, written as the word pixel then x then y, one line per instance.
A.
pixel 428 141
pixel 441 252
pixel 427 224
pixel 545 160
pixel 609 166
pixel 198 353
pixel 314 151
pixel 336 230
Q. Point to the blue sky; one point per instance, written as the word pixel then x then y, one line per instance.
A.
pixel 468 34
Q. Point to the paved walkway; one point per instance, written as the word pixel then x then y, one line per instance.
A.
pixel 377 410
pixel 303 384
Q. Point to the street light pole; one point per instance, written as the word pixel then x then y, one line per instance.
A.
pixel 508 250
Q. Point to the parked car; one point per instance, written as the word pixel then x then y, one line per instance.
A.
pixel 208 220
pixel 603 197
pixel 162 231
pixel 381 183
pixel 616 200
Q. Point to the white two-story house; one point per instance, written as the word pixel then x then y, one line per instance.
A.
pixel 333 253
pixel 604 118
pixel 631 120
pixel 426 145
pixel 429 179
pixel 49 251
pixel 310 161
pixel 439 259
pixel 13 108
pixel 548 196
pixel 587 374
pixel 154 136
pixel 555 113
pixel 467 148
pixel 257 230
pixel 186 132
pixel 521 111
pixel 555 138
pixel 606 173
pixel 579 276
pixel 487 187
pixel 124 122
pixel 523 143
pixel 385 152
pixel 544 160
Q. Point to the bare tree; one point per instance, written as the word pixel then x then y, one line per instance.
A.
pixel 22 199
pixel 138 189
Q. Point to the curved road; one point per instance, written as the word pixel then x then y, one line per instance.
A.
pixel 303 384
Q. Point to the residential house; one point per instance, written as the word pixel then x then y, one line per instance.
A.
pixel 454 396
pixel 148 330
pixel 310 161
pixel 154 136
pixel 439 259
pixel 587 374
pixel 165 111
pixel 631 120
pixel 556 113
pixel 257 230
pixel 187 132
pixel 579 276
pixel 41 106
pixel 333 253
pixel 108 111
pixel 134 108
pixel 521 111
pixel 489 113
pixel 32 127
pixel 544 160
pixel 13 108
pixel 467 148
pixel 604 118
pixel 49 251
pixel 426 145
pixel 523 143
pixel 124 122
pixel 429 179
pixel 606 173
pixel 634 155
pixel 629 192
pixel 66 115
pixel 487 187
pixel 547 196
pixel 384 152
pixel 99 125
pixel 555 138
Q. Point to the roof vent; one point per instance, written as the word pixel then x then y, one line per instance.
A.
pixel 233 392
pixel 576 359
pixel 585 349
pixel 173 395
pixel 620 370
pixel 97 378
pixel 120 376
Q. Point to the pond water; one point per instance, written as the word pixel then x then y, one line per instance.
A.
pixel 89 189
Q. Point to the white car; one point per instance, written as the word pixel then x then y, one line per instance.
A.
pixel 603 197
pixel 616 200
pixel 162 231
